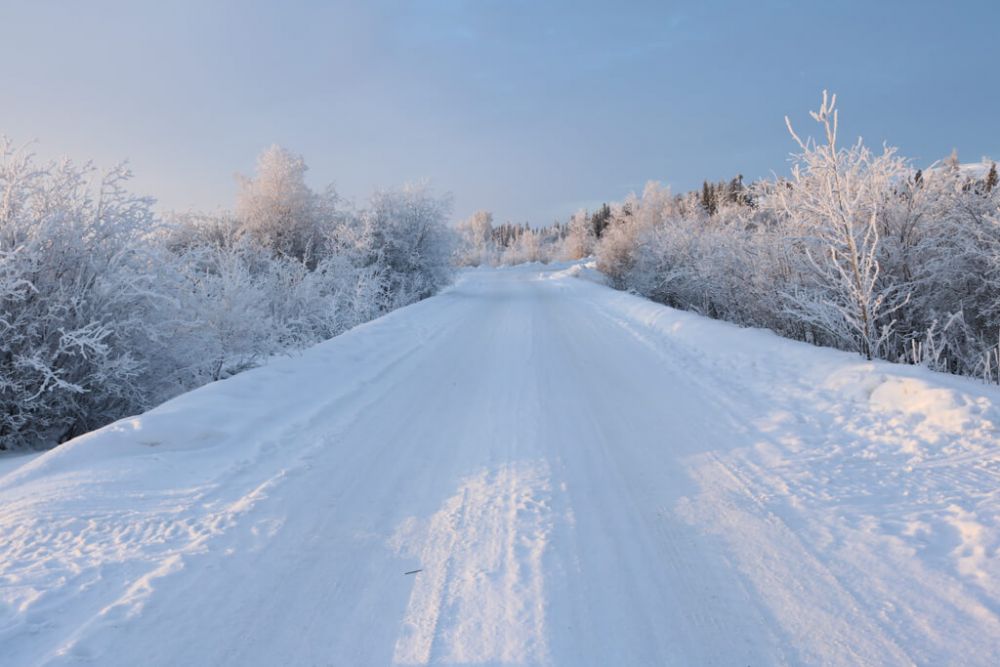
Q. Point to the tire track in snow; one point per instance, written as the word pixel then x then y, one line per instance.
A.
pixel 480 594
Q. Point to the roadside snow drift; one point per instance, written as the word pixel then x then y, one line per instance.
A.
pixel 527 469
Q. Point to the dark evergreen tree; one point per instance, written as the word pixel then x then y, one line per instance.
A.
pixel 991 178
pixel 600 219
pixel 709 199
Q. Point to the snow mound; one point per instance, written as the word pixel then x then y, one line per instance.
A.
pixel 585 268
pixel 935 407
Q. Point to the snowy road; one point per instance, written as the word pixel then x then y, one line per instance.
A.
pixel 570 475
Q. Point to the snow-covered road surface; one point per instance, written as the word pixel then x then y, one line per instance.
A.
pixel 527 469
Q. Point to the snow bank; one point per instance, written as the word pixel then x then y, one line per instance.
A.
pixel 90 530
pixel 585 269
pixel 880 475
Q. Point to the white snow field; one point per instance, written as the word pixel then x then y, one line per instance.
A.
pixel 577 477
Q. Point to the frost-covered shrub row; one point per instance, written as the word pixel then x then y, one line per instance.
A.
pixel 107 309
pixel 480 243
pixel 855 249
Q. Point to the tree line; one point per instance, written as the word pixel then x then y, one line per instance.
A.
pixel 854 249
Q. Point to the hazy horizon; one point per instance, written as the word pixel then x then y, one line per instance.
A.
pixel 526 110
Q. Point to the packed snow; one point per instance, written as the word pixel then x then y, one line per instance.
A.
pixel 529 468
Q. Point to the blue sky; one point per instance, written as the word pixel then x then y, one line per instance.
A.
pixel 528 109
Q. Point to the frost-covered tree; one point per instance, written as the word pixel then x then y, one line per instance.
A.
pixel 835 198
pixel 529 246
pixel 278 209
pixel 580 238
pixel 519 243
pixel 475 244
pixel 617 251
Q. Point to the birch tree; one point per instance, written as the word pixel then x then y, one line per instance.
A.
pixel 834 199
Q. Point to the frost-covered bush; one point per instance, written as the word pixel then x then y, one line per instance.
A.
pixel 106 310
pixel 856 249
pixel 73 253
pixel 241 290
pixel 402 240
